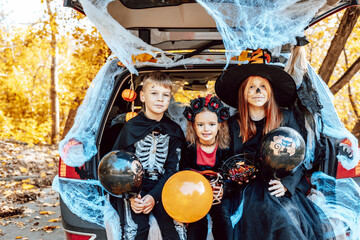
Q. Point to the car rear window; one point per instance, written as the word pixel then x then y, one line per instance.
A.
pixel 138 4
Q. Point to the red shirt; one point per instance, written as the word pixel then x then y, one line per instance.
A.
pixel 205 159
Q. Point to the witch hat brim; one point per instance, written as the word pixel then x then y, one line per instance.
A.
pixel 227 85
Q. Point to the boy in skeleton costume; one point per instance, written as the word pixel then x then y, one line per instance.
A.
pixel 156 141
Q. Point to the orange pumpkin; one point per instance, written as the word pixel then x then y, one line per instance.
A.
pixel 130 115
pixel 128 95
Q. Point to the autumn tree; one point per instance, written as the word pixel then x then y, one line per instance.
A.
pixel 23 101
pixel 28 56
pixel 335 52
pixel 342 34
pixel 53 32
pixel 89 55
pixel 26 72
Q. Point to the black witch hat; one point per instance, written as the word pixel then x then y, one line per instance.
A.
pixel 227 85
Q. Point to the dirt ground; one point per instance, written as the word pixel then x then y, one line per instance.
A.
pixel 29 208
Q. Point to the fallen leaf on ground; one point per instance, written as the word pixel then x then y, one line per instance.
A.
pixel 46 212
pixel 48 204
pixel 10 211
pixel 20 197
pixel 12 184
pixel 20 224
pixel 8 193
pixel 54 220
pixel 29 211
pixel 49 229
pixel 26 186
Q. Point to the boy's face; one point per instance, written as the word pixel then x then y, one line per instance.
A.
pixel 156 99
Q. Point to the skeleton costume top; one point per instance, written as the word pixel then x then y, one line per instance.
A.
pixel 157 144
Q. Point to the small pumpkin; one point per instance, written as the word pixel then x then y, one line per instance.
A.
pixel 130 115
pixel 128 95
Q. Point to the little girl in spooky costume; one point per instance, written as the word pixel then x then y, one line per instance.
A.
pixel 208 140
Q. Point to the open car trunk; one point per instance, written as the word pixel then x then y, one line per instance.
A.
pixel 181 24
pixel 181 38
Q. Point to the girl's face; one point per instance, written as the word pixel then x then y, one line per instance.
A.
pixel 257 91
pixel 206 126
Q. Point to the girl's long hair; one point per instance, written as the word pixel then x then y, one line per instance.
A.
pixel 272 111
pixel 223 137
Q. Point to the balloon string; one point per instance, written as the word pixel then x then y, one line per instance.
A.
pixel 132 88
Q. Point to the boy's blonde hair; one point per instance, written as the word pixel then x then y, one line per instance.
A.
pixel 222 137
pixel 157 77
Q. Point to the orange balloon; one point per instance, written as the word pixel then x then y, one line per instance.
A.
pixel 187 196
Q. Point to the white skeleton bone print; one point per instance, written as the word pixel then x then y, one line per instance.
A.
pixel 152 152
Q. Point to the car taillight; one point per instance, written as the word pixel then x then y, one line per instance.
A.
pixel 341 172
pixel 71 235
pixel 344 173
pixel 66 171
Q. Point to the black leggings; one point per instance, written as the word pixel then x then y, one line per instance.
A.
pixel 165 222
pixel 221 229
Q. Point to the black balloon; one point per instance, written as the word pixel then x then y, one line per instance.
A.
pixel 120 173
pixel 282 149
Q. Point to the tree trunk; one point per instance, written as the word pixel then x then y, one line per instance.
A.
pixel 356 129
pixel 346 77
pixel 346 26
pixel 55 112
pixel 71 117
pixel 55 116
pixel 352 102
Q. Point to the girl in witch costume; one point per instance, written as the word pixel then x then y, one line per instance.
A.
pixel 156 141
pixel 266 208
pixel 207 138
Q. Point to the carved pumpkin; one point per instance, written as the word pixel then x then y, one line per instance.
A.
pixel 128 95
pixel 130 115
